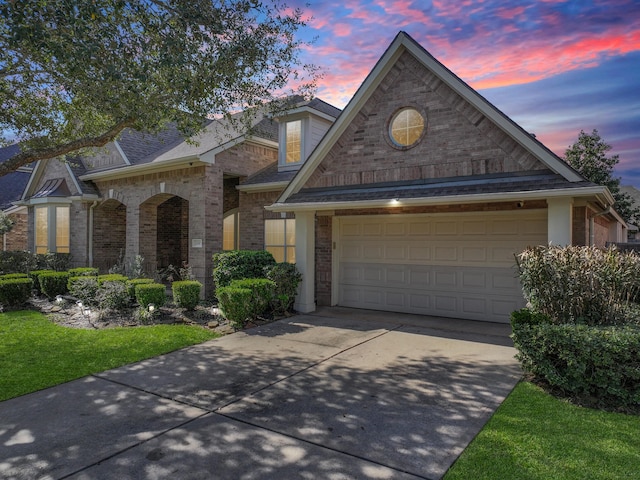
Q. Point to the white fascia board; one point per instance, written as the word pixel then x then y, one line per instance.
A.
pixel 596 191
pixel 262 187
pixel 48 201
pixel 73 177
pixel 32 179
pixel 302 111
pixel 121 152
pixel 145 168
pixel 16 208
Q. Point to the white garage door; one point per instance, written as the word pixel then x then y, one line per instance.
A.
pixel 452 265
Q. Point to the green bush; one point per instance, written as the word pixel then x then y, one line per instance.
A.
pixel 52 261
pixel 235 304
pixel 112 277
pixel 262 292
pixel 287 278
pixel 83 272
pixel 151 293
pixel 113 296
pixel 580 284
pixel 131 285
pixel 598 364
pixel 186 293
pixel 17 262
pixel 11 276
pixel 84 289
pixel 53 283
pixel 239 264
pixel 35 274
pixel 15 291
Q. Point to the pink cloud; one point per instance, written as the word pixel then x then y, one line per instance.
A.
pixel 341 30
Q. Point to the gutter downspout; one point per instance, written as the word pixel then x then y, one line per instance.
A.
pixel 592 233
pixel 93 205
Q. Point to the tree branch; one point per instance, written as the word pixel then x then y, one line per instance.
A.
pixel 24 158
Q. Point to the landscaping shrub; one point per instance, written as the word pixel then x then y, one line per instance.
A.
pixel 235 304
pixel 113 295
pixel 84 289
pixel 83 272
pixel 17 262
pixel 15 291
pixel 112 277
pixel 151 293
pixel 35 274
pixel 53 283
pixel 287 278
pixel 262 292
pixel 11 276
pixel 52 261
pixel 131 285
pixel 596 364
pixel 239 264
pixel 186 293
pixel 580 284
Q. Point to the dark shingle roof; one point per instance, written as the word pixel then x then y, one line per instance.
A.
pixel 455 186
pixel 12 184
pixel 324 107
pixel 140 147
pixel 270 174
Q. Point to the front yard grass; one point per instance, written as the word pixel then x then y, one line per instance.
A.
pixel 535 436
pixel 36 353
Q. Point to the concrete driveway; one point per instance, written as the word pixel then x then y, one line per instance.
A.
pixel 339 394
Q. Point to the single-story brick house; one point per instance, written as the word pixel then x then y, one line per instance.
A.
pixel 413 199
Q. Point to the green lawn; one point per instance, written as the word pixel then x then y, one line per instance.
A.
pixel 534 436
pixel 36 353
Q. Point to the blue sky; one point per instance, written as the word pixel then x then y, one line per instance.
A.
pixel 556 67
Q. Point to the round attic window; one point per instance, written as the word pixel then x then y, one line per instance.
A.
pixel 406 127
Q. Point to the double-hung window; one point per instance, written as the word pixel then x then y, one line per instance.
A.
pixel 280 239
pixel 52 229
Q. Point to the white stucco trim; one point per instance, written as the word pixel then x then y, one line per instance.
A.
pixel 305 261
pixel 262 187
pixel 166 165
pixel 560 221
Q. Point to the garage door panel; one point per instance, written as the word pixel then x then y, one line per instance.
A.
pixel 458 266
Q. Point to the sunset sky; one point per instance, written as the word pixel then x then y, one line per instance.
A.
pixel 555 67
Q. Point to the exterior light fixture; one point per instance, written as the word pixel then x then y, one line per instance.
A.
pixel 215 311
pixel 152 308
pixel 79 303
pixel 59 299
pixel 86 312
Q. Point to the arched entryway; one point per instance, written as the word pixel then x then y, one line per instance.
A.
pixel 164 232
pixel 109 234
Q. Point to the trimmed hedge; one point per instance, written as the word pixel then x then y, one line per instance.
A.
pixel 35 274
pixel 11 276
pixel 15 291
pixel 112 277
pixel 287 278
pixel 584 361
pixel 239 264
pixel 235 304
pixel 262 292
pixel 84 289
pixel 151 293
pixel 131 285
pixel 53 283
pixel 83 272
pixel 186 293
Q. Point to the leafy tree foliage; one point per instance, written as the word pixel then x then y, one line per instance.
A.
pixel 6 224
pixel 589 157
pixel 75 73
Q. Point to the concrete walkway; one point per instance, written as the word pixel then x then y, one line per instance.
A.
pixel 339 394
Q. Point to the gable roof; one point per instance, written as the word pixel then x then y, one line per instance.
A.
pixel 401 44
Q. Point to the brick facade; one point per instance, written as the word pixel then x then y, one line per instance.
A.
pixel 324 255
pixel 16 239
pixel 459 140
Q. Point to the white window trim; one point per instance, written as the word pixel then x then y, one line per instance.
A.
pixel 52 226
pixel 282 144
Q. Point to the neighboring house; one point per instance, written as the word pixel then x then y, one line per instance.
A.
pixel 633 235
pixel 414 199
pixel 11 187
pixel 420 194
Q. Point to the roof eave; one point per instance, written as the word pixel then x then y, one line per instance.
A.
pixel 263 187
pixel 128 171
pixel 600 193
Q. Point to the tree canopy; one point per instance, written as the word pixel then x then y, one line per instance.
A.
pixel 75 73
pixel 588 155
